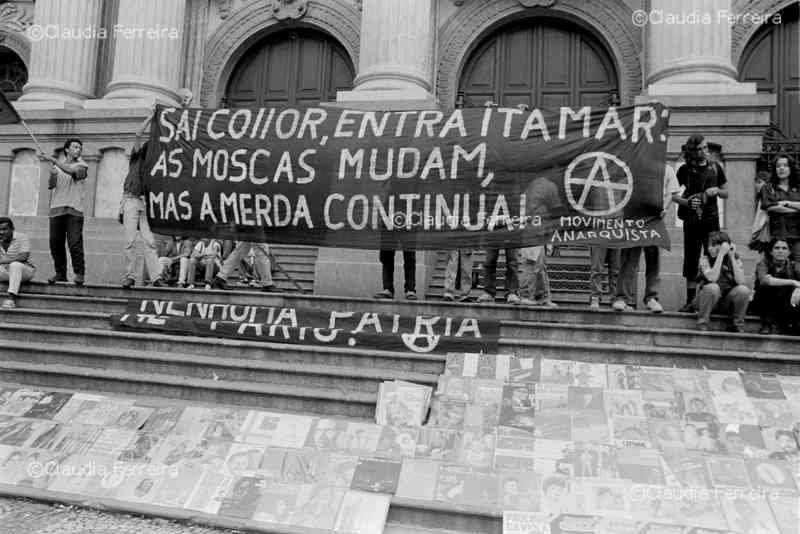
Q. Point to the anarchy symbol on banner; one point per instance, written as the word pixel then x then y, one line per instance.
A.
pixel 430 341
pixel 602 162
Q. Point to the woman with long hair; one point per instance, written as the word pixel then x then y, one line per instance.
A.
pixel 704 181
pixel 777 277
pixel 781 199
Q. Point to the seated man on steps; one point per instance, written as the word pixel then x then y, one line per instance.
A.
pixel 723 286
pixel 261 265
pixel 14 265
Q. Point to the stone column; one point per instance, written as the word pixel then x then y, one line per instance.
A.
pixel 689 44
pixel 396 51
pixel 395 72
pixel 689 69
pixel 65 39
pixel 147 64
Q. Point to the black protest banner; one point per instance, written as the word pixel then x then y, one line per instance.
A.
pixel 383 331
pixel 493 177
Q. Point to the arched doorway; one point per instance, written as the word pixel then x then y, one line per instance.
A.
pixel 13 74
pixel 771 59
pixel 540 62
pixel 291 67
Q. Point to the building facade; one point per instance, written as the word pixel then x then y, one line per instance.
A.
pixel 90 68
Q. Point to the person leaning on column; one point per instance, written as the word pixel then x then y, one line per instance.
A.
pixel 133 217
pixel 15 267
pixel 67 199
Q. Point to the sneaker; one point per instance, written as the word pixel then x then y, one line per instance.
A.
pixel 79 280
pixel 128 283
pixel 385 294
pixel 182 285
pixel 57 278
pixel 449 297
pixel 9 303
pixel 207 287
pixel 546 303
pixel 513 298
pixel 736 329
pixel 654 306
pixel 411 295
pixel 190 286
pixel 703 327
pixel 269 289
pixel 219 283
pixel 594 303
pixel 158 282
pixel 525 301
pixel 485 297
pixel 256 283
pixel 620 306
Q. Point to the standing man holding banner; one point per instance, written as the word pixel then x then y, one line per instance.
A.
pixel 629 270
pixel 67 198
pixel 409 274
pixel 134 217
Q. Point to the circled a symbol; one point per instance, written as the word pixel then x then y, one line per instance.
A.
pixel 609 182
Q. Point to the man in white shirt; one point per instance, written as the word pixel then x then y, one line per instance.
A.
pixel 15 268
pixel 67 205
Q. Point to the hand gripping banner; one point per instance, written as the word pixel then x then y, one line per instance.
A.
pixel 486 177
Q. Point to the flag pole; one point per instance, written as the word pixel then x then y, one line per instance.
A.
pixel 30 132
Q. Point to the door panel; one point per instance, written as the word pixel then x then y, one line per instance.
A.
pixel 292 67
pixel 539 62
pixel 771 60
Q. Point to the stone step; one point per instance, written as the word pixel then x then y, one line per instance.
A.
pixel 230 349
pixel 62 296
pixel 336 380
pixel 387 361
pixel 268 396
pixel 511 331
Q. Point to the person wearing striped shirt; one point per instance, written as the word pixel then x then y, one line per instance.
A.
pixel 15 268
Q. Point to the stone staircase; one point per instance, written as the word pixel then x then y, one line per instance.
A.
pixel 104 239
pixel 60 337
pixel 567 268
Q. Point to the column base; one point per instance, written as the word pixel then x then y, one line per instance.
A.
pixel 345 272
pixel 29 105
pixel 138 90
pixel 699 89
pixel 44 95
pixel 386 99
pixel 119 103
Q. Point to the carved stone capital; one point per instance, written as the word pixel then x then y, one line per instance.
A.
pixel 537 3
pixel 14 18
pixel 224 8
pixel 289 9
